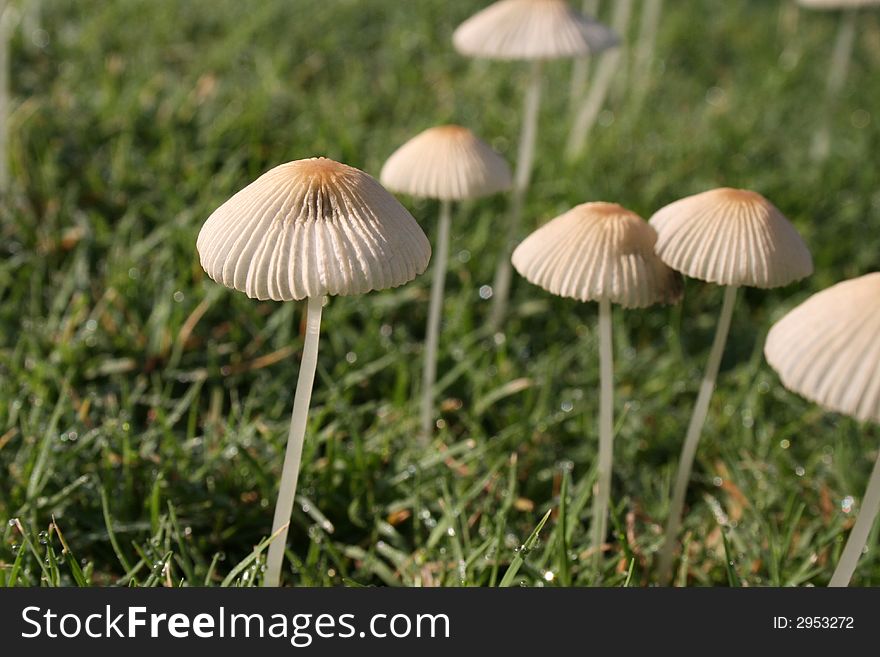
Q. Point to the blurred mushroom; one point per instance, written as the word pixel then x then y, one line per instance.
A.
pixel 733 238
pixel 599 252
pixel 448 163
pixel 840 59
pixel 828 350
pixel 307 229
pixel 535 30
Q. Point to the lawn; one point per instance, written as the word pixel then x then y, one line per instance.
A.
pixel 145 407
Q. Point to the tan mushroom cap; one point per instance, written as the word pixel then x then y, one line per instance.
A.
pixel 828 348
pixel 731 237
pixel 446 162
pixel 838 4
pixel 598 251
pixel 531 29
pixel 309 228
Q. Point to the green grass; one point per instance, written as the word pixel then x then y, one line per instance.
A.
pixel 144 407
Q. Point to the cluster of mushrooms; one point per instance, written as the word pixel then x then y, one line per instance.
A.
pixel 315 228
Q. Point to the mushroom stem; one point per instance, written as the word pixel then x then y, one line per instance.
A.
pixel 295 439
pixel 429 371
pixel 602 492
pixel 647 41
pixel 580 70
pixel 789 16
pixel 608 65
pixel 5 27
pixel 689 449
pixel 837 72
pixel 858 537
pixel 524 160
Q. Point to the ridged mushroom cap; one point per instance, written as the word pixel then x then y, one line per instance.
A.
pixel 446 162
pixel 838 4
pixel 828 348
pixel 598 251
pixel 731 237
pixel 309 228
pixel 531 29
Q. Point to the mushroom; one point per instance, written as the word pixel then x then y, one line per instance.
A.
pixel 733 238
pixel 599 252
pixel 535 30
pixel 840 59
pixel 828 350
pixel 448 163
pixel 304 230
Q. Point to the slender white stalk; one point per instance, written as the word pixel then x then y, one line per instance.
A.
pixel 837 72
pixel 858 537
pixel 602 492
pixel 432 335
pixel 580 69
pixel 295 439
pixel 789 17
pixel 608 64
pixel 689 449
pixel 5 19
pixel 30 20
pixel 644 57
pixel 524 161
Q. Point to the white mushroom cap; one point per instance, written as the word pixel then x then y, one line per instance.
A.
pixel 531 29
pixel 838 4
pixel 828 348
pixel 731 237
pixel 309 228
pixel 598 251
pixel 446 162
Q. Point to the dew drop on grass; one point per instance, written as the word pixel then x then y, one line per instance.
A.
pixel 11 522
pixel 799 471
pixel 565 466
pixel 846 505
pixel 43 537
pixel 485 292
